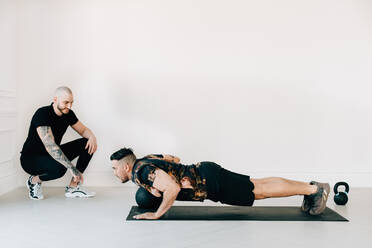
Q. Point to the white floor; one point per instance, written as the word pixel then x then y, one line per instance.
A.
pixel 100 222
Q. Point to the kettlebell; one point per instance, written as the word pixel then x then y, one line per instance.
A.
pixel 146 200
pixel 341 198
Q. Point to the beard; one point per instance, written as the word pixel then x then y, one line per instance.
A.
pixel 62 109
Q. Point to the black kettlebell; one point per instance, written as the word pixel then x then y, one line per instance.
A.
pixel 341 198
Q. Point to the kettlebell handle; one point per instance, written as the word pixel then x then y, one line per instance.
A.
pixel 335 188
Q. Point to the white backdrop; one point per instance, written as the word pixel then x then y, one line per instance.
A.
pixel 8 95
pixel 266 88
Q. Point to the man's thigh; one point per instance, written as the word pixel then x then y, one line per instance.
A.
pixel 41 164
pixel 74 148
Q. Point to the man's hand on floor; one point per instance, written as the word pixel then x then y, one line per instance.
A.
pixel 146 216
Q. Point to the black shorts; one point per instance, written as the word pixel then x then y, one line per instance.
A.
pixel 235 189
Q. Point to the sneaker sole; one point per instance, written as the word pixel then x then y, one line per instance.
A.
pixel 79 195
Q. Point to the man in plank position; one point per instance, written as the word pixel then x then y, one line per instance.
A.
pixel 168 180
pixel 42 155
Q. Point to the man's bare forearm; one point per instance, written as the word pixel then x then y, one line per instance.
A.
pixel 54 150
pixel 87 133
pixel 169 196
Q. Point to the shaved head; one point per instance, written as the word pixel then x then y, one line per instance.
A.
pixel 62 101
pixel 63 90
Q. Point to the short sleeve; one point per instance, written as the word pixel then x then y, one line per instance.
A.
pixel 72 118
pixel 146 175
pixel 41 118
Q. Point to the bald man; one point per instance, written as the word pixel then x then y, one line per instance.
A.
pixel 43 156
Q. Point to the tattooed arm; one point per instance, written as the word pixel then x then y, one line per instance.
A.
pixel 46 136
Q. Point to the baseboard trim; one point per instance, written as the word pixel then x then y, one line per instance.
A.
pixel 8 183
pixel 107 178
pixel 93 179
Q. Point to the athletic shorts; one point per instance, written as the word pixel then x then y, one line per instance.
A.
pixel 235 189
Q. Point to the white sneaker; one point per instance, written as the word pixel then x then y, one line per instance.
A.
pixel 73 192
pixel 35 192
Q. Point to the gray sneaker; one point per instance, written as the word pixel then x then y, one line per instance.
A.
pixel 306 203
pixel 319 199
pixel 34 190
pixel 74 192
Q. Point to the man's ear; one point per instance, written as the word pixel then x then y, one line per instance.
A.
pixel 55 99
pixel 126 167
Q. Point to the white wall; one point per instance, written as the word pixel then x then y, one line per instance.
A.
pixel 267 88
pixel 8 96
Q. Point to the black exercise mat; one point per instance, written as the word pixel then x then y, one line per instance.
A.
pixel 239 213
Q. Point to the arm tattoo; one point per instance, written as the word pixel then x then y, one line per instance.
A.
pixel 54 150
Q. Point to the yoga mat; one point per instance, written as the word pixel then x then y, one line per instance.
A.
pixel 188 213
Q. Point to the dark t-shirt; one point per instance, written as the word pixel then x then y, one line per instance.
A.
pixel 45 116
pixel 203 176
